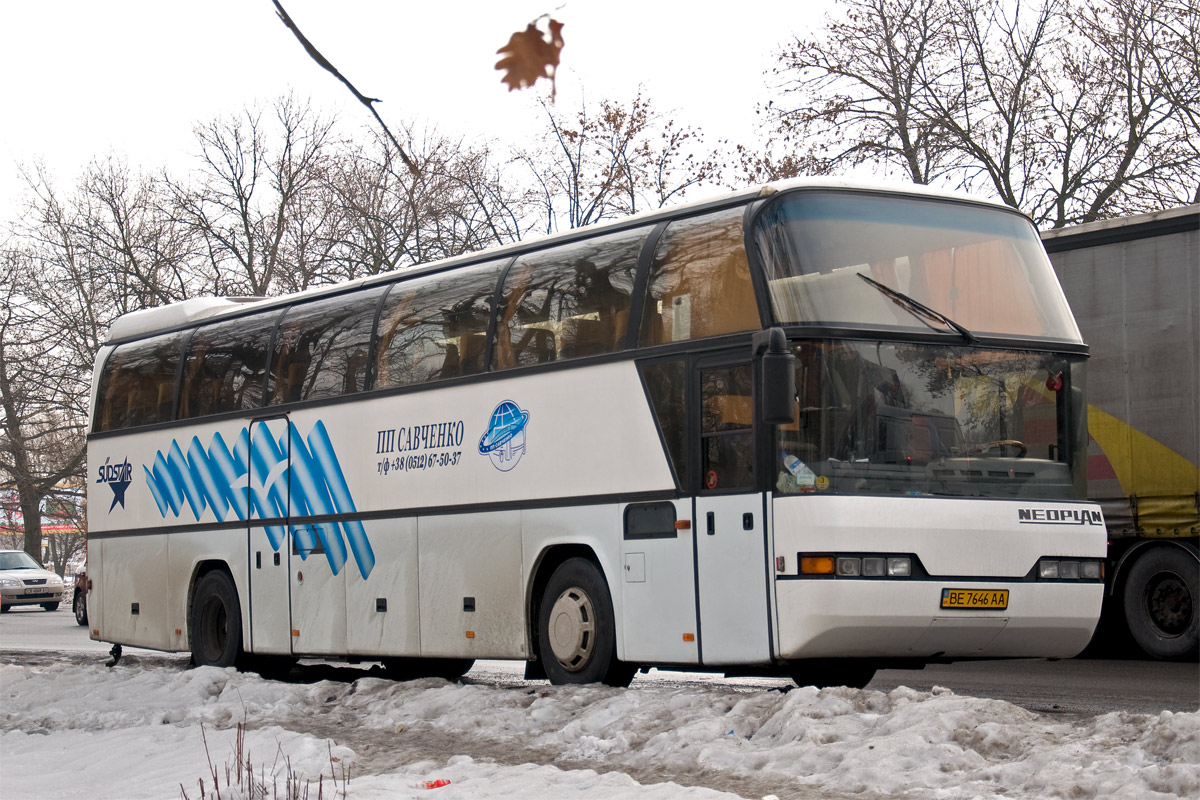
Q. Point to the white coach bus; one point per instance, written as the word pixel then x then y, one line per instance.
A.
pixel 812 430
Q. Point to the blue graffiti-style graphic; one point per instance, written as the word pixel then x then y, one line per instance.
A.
pixel 258 480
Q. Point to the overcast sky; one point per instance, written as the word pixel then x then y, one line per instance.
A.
pixel 82 78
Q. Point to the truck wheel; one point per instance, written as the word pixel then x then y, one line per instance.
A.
pixel 215 622
pixel 79 606
pixel 1161 596
pixel 577 640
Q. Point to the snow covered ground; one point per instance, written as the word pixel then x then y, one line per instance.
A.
pixel 150 728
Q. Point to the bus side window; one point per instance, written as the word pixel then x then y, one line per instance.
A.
pixel 666 385
pixel 570 301
pixel 225 366
pixel 727 427
pixel 321 349
pixel 137 385
pixel 699 281
pixel 435 327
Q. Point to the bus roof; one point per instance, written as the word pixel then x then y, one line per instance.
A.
pixel 149 321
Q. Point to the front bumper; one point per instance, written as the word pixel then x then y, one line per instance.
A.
pixel 31 595
pixel 904 619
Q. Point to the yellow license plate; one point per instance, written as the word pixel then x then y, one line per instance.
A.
pixel 975 598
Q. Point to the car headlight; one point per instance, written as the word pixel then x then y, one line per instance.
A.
pixel 9 583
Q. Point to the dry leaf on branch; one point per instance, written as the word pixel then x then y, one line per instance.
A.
pixel 531 54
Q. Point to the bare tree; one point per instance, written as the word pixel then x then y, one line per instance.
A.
pixel 41 436
pixel 389 218
pixel 861 96
pixel 251 201
pixel 1069 110
pixel 73 264
pixel 613 160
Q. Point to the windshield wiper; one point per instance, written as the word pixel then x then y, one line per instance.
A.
pixel 919 309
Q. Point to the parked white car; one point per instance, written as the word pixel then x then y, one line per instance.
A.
pixel 23 582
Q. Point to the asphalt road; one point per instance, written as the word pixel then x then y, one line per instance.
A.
pixel 1072 687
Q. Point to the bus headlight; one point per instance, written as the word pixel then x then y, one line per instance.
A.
pixel 1064 569
pixel 859 565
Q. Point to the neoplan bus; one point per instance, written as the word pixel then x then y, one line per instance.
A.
pixel 809 430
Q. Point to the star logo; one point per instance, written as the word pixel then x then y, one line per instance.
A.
pixel 118 477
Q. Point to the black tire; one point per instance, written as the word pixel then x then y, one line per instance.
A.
pixel 79 606
pixel 407 669
pixel 215 622
pixel 823 673
pixel 577 640
pixel 51 606
pixel 1162 592
pixel 5 609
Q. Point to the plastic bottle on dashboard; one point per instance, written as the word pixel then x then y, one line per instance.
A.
pixel 805 478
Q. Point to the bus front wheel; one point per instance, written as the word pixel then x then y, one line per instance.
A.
pixel 576 632
pixel 215 623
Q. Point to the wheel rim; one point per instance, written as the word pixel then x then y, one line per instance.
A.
pixel 572 629
pixel 1169 603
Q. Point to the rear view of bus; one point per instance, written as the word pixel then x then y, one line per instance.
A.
pixel 928 491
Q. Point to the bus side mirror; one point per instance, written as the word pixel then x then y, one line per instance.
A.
pixel 777 392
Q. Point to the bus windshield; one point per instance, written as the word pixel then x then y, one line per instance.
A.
pixel 909 419
pixel 982 269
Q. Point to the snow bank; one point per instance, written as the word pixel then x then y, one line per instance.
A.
pixel 68 730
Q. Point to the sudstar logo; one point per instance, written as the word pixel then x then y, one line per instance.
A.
pixel 118 477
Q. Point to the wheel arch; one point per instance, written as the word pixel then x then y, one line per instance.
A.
pixel 1131 554
pixel 549 559
pixel 199 570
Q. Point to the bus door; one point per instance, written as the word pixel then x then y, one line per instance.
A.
pixel 318 553
pixel 729 519
pixel 268 458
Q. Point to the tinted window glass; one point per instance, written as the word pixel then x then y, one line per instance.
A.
pixel 568 302
pixel 886 418
pixel 322 348
pixel 727 427
pixel 667 386
pixel 225 366
pixel 435 327
pixel 137 385
pixel 831 257
pixel 700 281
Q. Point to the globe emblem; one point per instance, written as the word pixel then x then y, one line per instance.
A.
pixel 504 441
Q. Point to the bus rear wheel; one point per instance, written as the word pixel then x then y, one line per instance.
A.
pixel 1162 598
pixel 577 640
pixel 215 622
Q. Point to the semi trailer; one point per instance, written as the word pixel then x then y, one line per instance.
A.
pixel 1134 286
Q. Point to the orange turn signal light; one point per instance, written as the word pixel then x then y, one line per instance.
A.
pixel 816 565
pixel 683 524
